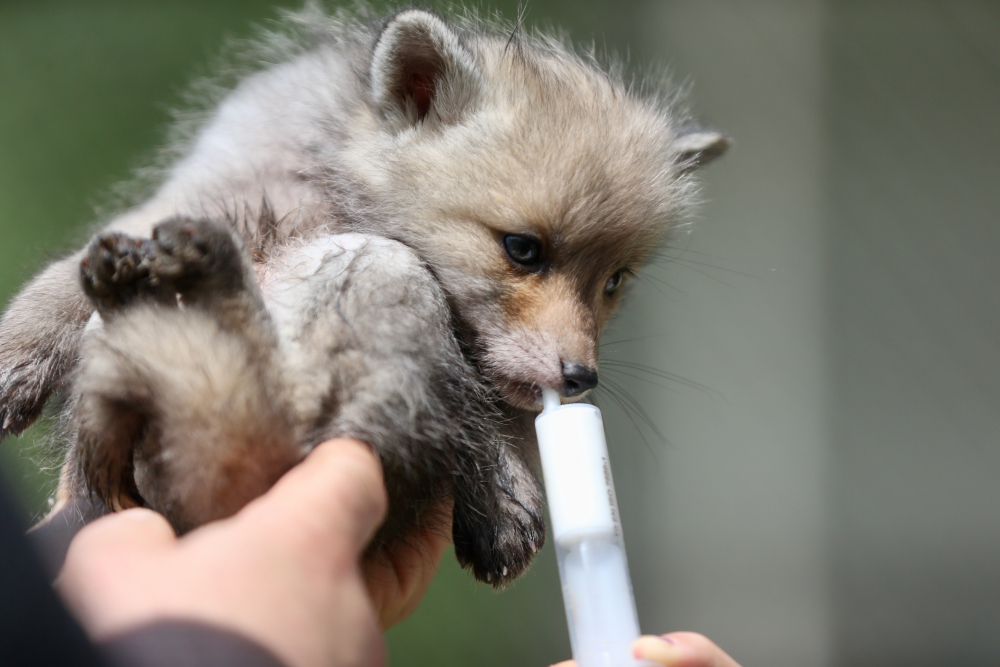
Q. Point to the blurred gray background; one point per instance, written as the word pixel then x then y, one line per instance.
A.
pixel 801 398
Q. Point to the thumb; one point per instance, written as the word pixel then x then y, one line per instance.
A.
pixel 335 495
pixel 134 529
pixel 106 547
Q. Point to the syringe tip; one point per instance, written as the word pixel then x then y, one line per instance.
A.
pixel 550 399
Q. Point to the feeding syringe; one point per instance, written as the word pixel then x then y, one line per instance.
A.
pixel 597 591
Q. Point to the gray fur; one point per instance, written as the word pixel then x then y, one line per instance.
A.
pixel 438 137
pixel 195 404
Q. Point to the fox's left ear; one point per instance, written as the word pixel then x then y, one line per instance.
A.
pixel 696 148
pixel 421 71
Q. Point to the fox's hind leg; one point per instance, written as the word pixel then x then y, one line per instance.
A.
pixel 178 409
pixel 115 275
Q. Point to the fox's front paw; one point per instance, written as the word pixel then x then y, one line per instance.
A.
pixel 115 272
pixel 196 255
pixel 499 547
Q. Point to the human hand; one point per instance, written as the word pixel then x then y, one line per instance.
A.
pixel 285 571
pixel 398 580
pixel 677 649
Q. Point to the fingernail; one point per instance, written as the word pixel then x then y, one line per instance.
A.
pixel 662 649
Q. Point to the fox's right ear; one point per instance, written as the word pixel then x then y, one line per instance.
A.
pixel 421 72
pixel 697 147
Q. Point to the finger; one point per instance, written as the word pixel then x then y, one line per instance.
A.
pixel 663 650
pixel 335 496
pixel 99 551
pixel 681 649
pixel 129 530
pixel 397 581
pixel 565 663
pixel 702 650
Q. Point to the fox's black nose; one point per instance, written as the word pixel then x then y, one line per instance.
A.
pixel 577 378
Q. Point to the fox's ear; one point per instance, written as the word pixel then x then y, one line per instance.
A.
pixel 420 70
pixel 696 147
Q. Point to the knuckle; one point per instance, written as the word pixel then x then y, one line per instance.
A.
pixel 359 484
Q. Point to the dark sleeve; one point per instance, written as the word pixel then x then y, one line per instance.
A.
pixel 52 536
pixel 36 630
pixel 174 643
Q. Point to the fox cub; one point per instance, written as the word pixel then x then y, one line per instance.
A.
pixel 401 230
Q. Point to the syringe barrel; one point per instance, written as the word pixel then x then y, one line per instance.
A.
pixel 597 591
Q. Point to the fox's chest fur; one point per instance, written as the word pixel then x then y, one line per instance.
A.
pixel 401 231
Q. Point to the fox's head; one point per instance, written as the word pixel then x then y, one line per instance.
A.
pixel 533 184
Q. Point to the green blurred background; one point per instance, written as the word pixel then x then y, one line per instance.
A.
pixel 804 397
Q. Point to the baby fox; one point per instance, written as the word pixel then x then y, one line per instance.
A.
pixel 401 231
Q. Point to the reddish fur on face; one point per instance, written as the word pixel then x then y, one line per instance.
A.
pixel 526 321
pixel 546 319
pixel 551 305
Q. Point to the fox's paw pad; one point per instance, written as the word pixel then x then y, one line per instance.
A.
pixel 189 251
pixel 115 270
pixel 501 549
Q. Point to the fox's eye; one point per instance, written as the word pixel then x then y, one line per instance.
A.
pixel 524 250
pixel 614 282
